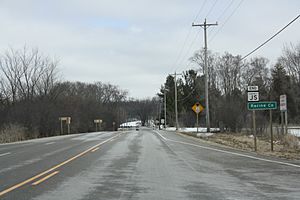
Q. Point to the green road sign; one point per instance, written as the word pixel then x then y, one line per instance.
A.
pixel 267 105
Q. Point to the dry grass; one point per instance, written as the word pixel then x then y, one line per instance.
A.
pixel 288 147
pixel 290 142
pixel 12 133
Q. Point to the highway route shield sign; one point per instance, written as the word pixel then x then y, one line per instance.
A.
pixel 197 108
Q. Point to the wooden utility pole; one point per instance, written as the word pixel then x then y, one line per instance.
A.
pixel 176 110
pixel 165 107
pixel 205 26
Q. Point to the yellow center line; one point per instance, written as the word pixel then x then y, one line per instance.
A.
pixel 54 167
pixel 95 149
pixel 45 178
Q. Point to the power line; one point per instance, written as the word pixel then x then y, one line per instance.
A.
pixel 222 14
pixel 227 19
pixel 211 8
pixel 225 10
pixel 183 46
pixel 202 6
pixel 187 95
pixel 277 33
pixel 188 50
pixel 187 36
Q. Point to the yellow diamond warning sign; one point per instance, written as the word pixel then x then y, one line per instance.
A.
pixel 197 108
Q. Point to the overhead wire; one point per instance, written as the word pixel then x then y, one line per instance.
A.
pixel 197 35
pixel 188 35
pixel 187 95
pixel 268 40
pixel 193 41
pixel 222 14
pixel 198 14
pixel 188 50
pixel 227 19
pixel 212 7
pixel 225 10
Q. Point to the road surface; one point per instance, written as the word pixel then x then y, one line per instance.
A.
pixel 144 164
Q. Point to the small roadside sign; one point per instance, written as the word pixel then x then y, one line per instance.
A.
pixel 283 103
pixel 252 88
pixel 253 96
pixel 197 108
pixel 97 121
pixel 268 105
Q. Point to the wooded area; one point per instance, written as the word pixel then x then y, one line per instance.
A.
pixel 229 77
pixel 33 98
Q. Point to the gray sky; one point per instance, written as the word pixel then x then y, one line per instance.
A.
pixel 136 43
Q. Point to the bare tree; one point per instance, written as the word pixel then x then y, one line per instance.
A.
pixel 229 69
pixel 291 61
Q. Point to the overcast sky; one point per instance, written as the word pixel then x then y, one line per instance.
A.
pixel 135 44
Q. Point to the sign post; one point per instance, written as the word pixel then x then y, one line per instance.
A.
pixel 114 123
pixel 253 96
pixel 265 105
pixel 98 122
pixel 197 108
pixel 67 121
pixel 283 109
pixel 254 130
pixel 271 130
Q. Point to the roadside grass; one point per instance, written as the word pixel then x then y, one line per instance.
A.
pixel 285 147
pixel 12 133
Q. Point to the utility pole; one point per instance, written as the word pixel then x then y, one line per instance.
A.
pixel 159 115
pixel 165 107
pixel 176 110
pixel 205 26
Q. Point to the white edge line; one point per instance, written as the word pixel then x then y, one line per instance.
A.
pixel 4 154
pixel 50 143
pixel 232 153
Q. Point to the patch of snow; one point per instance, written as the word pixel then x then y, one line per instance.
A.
pixel 201 135
pixel 192 129
pixel 131 124
pixel 170 129
pixel 294 131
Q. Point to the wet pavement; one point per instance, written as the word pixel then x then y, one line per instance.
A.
pixel 144 164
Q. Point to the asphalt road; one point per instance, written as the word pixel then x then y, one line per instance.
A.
pixel 142 164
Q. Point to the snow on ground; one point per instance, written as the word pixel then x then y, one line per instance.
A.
pixel 193 130
pixel 294 131
pixel 131 124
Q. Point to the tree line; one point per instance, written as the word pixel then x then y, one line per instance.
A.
pixel 228 77
pixel 33 98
